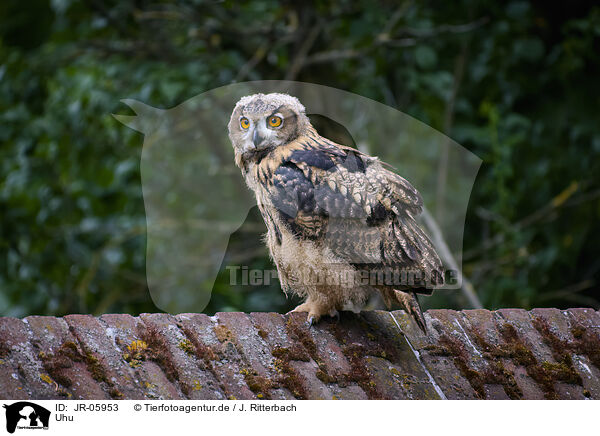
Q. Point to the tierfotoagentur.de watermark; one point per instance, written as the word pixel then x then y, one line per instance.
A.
pixel 195 197
pixel 338 275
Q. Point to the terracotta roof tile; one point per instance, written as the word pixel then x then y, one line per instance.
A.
pixel 510 353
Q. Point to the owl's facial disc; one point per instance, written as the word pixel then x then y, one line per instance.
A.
pixel 261 133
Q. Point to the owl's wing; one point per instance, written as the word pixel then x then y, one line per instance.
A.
pixel 350 203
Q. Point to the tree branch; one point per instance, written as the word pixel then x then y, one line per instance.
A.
pixel 466 287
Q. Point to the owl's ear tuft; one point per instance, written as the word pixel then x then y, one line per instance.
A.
pixel 146 120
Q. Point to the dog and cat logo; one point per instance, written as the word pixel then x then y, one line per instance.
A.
pixel 26 415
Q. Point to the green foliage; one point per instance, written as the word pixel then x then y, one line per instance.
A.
pixel 516 83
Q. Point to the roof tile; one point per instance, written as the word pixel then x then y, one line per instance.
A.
pixel 511 353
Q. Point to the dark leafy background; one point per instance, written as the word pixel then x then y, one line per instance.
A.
pixel 514 82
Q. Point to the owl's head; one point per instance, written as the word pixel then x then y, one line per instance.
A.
pixel 261 122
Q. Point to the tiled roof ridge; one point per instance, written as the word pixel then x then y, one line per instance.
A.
pixel 470 354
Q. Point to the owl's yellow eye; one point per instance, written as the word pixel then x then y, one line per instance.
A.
pixel 275 121
pixel 244 122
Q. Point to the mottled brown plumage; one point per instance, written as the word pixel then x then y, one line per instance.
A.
pixel 340 224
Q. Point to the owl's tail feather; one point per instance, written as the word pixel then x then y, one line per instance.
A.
pixel 410 303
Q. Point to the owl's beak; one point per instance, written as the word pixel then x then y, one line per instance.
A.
pixel 257 138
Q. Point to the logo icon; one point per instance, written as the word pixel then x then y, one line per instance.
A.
pixel 195 197
pixel 26 415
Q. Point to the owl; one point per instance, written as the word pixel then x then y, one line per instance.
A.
pixel 340 224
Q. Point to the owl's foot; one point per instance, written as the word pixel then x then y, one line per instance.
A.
pixel 315 312
pixel 311 319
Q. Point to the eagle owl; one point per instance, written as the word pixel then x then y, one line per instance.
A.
pixel 340 225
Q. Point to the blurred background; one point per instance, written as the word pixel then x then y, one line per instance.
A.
pixel 514 82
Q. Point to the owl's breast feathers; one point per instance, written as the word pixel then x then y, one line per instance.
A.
pixel 338 197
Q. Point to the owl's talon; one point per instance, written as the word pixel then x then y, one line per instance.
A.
pixel 310 321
